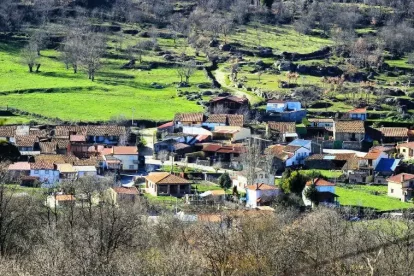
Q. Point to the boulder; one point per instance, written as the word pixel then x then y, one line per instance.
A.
pixel 183 84
pixel 214 43
pixel 207 93
pixel 204 86
pixel 225 47
pixel 168 57
pixel 265 52
pixel 130 32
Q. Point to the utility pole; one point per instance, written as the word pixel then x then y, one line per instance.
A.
pixel 133 111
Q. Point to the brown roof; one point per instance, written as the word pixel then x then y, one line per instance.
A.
pixel 50 158
pixel 352 164
pixel 26 140
pixel 349 126
pixel 38 132
pixel 231 98
pixel 394 131
pixel 321 120
pixel 229 119
pixel 166 178
pixel 217 192
pixel 189 117
pixel 7 131
pixel 373 154
pixel 279 152
pixel 344 156
pixel 283 127
pixel 61 143
pixel 319 182
pixel 125 150
pixel 66 130
pixel 77 138
pixel 126 191
pixel 318 156
pixel 48 147
pixel 261 187
pixel 20 166
pixel 42 165
pixel 358 110
pixel 406 145
pixel 235 120
pixel 110 130
pixel 217 118
pixel 337 156
pixel 87 162
pixel 291 149
pixel 399 177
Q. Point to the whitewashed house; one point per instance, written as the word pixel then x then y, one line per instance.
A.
pixel 125 156
pixel 326 191
pixel 85 170
pixel 46 172
pixel 260 194
pixel 240 179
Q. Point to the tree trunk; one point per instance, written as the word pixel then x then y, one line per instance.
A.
pixel 75 68
pixel 38 67
pixel 30 68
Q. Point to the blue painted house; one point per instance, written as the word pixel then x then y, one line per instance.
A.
pixel 285 111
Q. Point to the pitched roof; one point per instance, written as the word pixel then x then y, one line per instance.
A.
pixel 42 165
pixel 166 125
pixel 299 142
pixel 320 120
pixel 229 119
pixel 387 165
pixel 291 149
pixel 85 168
pixel 105 130
pixel 7 131
pixel 336 156
pixel 125 150
pixel 235 120
pixel 394 131
pixel 349 127
pixel 66 130
pixel 50 158
pixel 230 98
pixel 26 140
pixel 279 152
pixel 20 166
pixel 358 110
pixel 276 101
pixel 282 127
pixel 319 182
pixel 217 118
pixel 166 178
pixel 261 187
pixel 180 146
pixel 406 145
pixel 373 154
pixel 126 191
pixel 399 177
pixel 48 147
pixel 189 117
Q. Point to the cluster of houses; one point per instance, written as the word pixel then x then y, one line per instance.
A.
pixel 220 138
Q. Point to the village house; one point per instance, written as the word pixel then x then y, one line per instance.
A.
pixel 127 155
pixel 260 194
pixel 323 123
pixel 326 192
pixel 126 194
pixel 406 150
pixel 281 131
pixel 287 155
pixel 358 114
pixel 401 186
pixel 46 172
pixel 188 119
pixel 28 145
pixel 240 181
pixel 106 134
pixel 83 171
pixel 166 184
pixel 229 104
pixel 227 156
pixel 167 127
pixel 231 133
pixel 216 120
pixel 60 201
pixel 327 161
pixel 8 133
pixel 393 135
pixel 285 111
pixel 216 196
pixel 18 170
pixel 348 134
pixel 385 168
pixel 67 172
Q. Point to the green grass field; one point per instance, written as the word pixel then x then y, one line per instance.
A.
pixel 361 195
pixel 323 173
pixel 59 93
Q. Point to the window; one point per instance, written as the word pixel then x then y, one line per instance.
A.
pixel 131 167
pixel 36 171
pixel 392 191
pixel 403 150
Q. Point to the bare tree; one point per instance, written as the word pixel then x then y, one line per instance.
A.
pixel 30 56
pixel 163 155
pixel 93 48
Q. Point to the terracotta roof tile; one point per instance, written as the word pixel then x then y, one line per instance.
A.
pixel 20 166
pixel 235 120
pixel 261 187
pixel 349 127
pixel 77 138
pixel 65 197
pixel 291 149
pixel 320 120
pixel 126 191
pixel 217 118
pixel 394 131
pixel 67 130
pixel 166 178
pixel 279 152
pixel 48 147
pixel 399 177
pixel 320 182
pixel 110 130
pixel 125 150
pixel 189 117
pixel 7 131
pixel 42 165
pixel 406 145
pixel 283 127
pixel 26 141
pixel 50 158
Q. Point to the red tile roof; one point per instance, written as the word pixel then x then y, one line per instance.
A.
pixel 166 178
pixel 279 152
pixel 319 182
pixel 126 191
pixel 261 187
pixel 106 130
pixel 189 117
pixel 166 125
pixel 228 119
pixel 42 165
pixel 66 130
pixel 406 145
pixel 77 138
pixel 275 101
pixel 7 131
pixel 125 150
pixel 48 147
pixel 26 140
pixel 373 154
pixel 394 131
pixel 358 110
pixel 65 197
pixel 399 177
pixel 349 127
